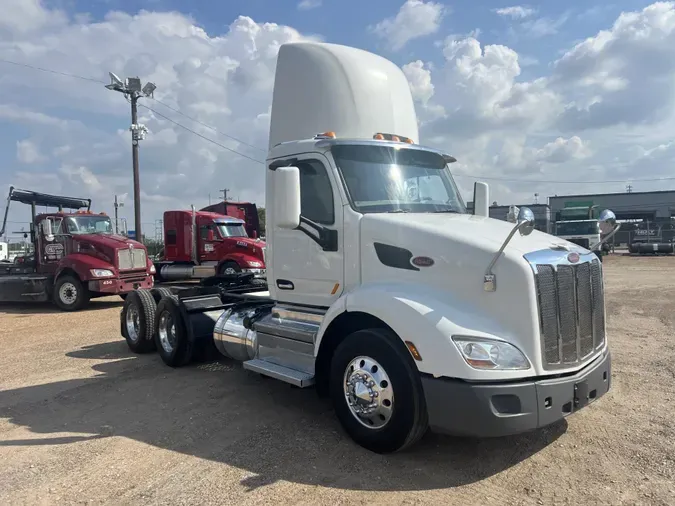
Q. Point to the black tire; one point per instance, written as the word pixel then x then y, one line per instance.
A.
pixel 158 293
pixel 138 321
pixel 409 419
pixel 179 352
pixel 123 296
pixel 234 266
pixel 70 294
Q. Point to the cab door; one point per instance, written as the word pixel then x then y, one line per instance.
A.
pixel 208 241
pixel 51 249
pixel 304 272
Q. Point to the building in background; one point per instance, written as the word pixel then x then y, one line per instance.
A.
pixel 542 214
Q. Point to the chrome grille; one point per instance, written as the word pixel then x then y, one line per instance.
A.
pixel 131 259
pixel 571 312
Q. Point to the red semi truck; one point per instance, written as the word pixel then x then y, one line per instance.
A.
pixel 201 244
pixel 76 256
pixel 246 211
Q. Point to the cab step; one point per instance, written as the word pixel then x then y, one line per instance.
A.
pixel 285 374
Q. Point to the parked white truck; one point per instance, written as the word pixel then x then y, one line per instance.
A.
pixel 382 291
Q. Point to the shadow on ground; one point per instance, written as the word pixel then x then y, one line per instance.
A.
pixel 31 308
pixel 218 411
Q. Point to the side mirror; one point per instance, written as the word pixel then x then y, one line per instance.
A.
pixel 525 221
pixel 287 197
pixel 481 199
pixel 47 230
pixel 607 221
pixel 210 236
pixel 255 234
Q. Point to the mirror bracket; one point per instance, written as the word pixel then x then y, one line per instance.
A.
pixel 325 237
pixel 525 226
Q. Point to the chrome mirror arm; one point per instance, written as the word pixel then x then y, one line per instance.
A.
pixel 606 238
pixel 525 226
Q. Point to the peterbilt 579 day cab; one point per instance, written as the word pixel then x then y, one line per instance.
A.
pixel 76 256
pixel 201 244
pixel 383 291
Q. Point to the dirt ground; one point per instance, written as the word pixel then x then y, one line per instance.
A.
pixel 84 421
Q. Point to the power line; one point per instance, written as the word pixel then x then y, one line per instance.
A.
pixel 599 181
pixel 202 136
pixel 209 126
pixel 66 74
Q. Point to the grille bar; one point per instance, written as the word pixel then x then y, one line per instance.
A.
pixel 571 312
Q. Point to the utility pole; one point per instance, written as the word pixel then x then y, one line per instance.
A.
pixel 224 192
pixel 629 188
pixel 132 90
pixel 116 222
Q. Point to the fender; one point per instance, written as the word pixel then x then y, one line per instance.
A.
pixel 81 264
pixel 428 318
pixel 242 260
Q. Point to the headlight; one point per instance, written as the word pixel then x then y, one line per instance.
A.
pixel 255 264
pixel 482 353
pixel 102 273
pixel 152 269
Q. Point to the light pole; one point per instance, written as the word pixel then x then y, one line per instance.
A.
pixel 132 90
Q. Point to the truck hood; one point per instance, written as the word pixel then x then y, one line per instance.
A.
pixel 476 231
pixel 108 241
pixel 458 249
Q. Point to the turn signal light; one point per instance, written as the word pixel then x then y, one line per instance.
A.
pixel 326 135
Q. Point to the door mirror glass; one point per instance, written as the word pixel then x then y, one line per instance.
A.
pixel 47 230
pixel 481 199
pixel 287 197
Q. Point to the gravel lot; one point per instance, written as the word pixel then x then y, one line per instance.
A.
pixel 84 421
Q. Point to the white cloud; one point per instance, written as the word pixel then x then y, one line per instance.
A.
pixel 415 19
pixel 515 12
pixel 27 152
pixel 306 5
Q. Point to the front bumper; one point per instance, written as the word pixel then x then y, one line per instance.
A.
pixel 500 409
pixel 121 285
pixel 257 273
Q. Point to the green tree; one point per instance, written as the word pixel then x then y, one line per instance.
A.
pixel 261 219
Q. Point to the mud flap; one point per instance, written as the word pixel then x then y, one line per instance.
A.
pixel 24 288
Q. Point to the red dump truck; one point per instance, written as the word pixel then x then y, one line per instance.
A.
pixel 201 244
pixel 76 255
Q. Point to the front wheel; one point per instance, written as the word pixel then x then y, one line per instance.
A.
pixel 376 391
pixel 229 269
pixel 70 294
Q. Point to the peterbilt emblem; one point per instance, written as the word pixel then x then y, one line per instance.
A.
pixel 573 257
pixel 131 247
pixel 423 261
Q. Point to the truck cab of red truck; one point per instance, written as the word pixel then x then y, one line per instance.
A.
pixel 200 244
pixel 77 256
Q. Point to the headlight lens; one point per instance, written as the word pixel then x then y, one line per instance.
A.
pixel 255 264
pixel 102 273
pixel 152 269
pixel 482 353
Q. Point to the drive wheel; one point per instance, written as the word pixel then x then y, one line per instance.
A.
pixel 171 337
pixel 138 319
pixel 376 391
pixel 70 294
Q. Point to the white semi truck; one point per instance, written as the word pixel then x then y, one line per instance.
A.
pixel 382 291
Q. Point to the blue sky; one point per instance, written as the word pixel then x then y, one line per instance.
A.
pixel 526 94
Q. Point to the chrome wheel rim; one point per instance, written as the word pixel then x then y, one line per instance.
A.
pixel 167 332
pixel 68 293
pixel 133 322
pixel 230 270
pixel 368 392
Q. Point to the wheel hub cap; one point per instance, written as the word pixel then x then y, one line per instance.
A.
pixel 167 332
pixel 133 323
pixel 368 392
pixel 68 293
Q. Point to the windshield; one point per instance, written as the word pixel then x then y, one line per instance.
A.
pixel 89 225
pixel 388 179
pixel 577 228
pixel 232 230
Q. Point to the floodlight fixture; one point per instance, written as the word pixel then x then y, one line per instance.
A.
pixel 133 84
pixel 149 89
pixel 114 80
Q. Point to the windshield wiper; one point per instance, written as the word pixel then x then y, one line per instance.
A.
pixel 399 211
pixel 446 211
